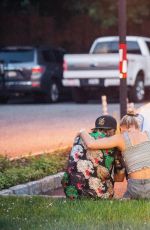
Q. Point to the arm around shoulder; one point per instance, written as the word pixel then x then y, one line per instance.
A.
pixel 104 143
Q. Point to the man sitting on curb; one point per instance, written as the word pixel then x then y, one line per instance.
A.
pixel 91 173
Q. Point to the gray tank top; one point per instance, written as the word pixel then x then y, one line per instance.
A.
pixel 137 156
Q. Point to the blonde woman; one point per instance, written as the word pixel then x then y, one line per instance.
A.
pixel 135 147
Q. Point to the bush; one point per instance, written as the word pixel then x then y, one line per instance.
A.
pixel 31 168
pixel 4 163
pixel 2 181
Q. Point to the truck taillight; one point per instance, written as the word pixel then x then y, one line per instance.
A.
pixel 65 66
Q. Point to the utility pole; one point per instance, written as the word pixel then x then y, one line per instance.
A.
pixel 122 56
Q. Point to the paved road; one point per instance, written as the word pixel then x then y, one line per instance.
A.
pixel 29 128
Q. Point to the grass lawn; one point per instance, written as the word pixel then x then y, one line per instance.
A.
pixel 28 213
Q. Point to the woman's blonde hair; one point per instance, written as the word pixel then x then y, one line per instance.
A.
pixel 130 120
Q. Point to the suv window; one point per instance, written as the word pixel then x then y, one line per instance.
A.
pixel 48 56
pixel 52 55
pixel 59 55
pixel 113 47
pixel 16 55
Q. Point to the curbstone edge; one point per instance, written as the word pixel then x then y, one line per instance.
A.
pixel 46 184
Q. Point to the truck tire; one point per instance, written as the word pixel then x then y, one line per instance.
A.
pixel 79 95
pixel 138 91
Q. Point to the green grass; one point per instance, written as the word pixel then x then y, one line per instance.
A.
pixel 35 213
pixel 45 213
pixel 19 171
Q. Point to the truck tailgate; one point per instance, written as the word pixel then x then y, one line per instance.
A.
pixel 91 65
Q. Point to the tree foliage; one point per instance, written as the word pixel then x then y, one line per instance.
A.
pixel 137 10
pixel 104 12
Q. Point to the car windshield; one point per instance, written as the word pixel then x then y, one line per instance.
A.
pixel 15 56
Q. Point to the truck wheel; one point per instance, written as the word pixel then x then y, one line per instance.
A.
pixel 138 91
pixel 79 95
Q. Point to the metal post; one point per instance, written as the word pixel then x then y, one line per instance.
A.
pixel 122 56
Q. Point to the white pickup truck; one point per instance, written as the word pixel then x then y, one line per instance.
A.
pixel 99 70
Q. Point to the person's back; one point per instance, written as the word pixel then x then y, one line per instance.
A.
pixel 136 157
pixel 136 154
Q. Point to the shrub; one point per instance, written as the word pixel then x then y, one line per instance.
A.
pixel 30 168
pixel 4 163
pixel 2 181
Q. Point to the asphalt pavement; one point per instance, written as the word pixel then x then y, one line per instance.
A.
pixel 27 128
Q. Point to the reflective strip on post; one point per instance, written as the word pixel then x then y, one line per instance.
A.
pixel 123 60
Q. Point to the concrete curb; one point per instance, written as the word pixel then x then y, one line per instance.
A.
pixel 44 185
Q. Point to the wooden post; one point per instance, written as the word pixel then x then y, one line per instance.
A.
pixel 130 107
pixel 104 105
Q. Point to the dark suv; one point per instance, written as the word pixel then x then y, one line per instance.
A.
pixel 36 70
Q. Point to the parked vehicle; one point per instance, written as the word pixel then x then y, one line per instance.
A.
pixel 33 70
pixel 99 69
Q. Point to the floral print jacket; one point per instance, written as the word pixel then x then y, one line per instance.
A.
pixel 90 173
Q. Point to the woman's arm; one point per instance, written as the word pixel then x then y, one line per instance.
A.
pixel 103 143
